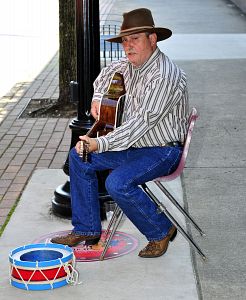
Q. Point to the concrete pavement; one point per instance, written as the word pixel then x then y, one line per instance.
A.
pixel 209 43
pixel 125 277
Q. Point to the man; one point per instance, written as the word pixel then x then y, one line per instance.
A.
pixel 147 144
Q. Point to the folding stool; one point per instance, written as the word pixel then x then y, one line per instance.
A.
pixel 118 213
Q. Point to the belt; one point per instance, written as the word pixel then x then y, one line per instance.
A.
pixel 174 144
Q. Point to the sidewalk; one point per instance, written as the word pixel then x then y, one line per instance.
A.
pixel 28 144
pixel 213 181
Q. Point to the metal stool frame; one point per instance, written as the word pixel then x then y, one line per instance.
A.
pixel 118 213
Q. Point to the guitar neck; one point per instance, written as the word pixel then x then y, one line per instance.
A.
pixel 111 108
pixel 92 132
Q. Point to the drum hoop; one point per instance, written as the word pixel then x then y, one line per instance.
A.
pixel 67 255
pixel 40 282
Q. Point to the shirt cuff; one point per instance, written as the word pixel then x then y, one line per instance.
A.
pixel 97 96
pixel 102 143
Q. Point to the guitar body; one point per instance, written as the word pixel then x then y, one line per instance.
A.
pixel 110 112
pixel 111 108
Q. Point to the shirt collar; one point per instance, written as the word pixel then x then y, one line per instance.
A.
pixel 145 65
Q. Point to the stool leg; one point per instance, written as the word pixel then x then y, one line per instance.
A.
pixel 112 220
pixel 178 206
pixel 117 218
pixel 163 209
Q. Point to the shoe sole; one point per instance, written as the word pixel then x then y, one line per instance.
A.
pixel 92 241
pixel 173 235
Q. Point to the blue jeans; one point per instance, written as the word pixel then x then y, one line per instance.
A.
pixel 130 168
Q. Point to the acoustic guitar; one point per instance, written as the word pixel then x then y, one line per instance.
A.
pixel 110 112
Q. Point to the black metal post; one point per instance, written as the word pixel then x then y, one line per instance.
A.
pixel 88 67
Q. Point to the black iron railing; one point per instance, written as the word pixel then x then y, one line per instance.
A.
pixel 109 51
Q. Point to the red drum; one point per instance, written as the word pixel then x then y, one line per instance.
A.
pixel 41 266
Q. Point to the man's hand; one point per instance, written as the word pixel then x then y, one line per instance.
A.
pixel 92 144
pixel 95 105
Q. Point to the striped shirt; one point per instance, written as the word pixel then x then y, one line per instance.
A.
pixel 156 105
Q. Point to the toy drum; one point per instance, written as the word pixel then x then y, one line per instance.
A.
pixel 41 266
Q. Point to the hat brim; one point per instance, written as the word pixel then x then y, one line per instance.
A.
pixel 162 34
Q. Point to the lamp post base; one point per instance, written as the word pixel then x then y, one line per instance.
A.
pixel 61 201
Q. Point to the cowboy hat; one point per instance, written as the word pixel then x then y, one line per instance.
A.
pixel 137 21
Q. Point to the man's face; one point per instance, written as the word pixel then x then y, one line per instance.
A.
pixel 139 47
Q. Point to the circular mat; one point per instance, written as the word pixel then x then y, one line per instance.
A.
pixel 120 244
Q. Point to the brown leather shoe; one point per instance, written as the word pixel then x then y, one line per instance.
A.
pixel 158 248
pixel 73 239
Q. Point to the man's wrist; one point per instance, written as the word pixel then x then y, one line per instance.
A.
pixel 93 145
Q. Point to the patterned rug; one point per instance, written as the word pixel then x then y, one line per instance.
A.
pixel 121 244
